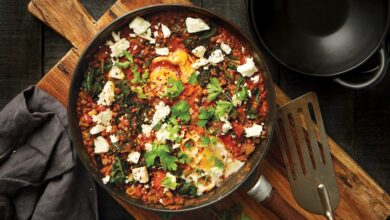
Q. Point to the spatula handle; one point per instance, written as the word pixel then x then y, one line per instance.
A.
pixel 263 193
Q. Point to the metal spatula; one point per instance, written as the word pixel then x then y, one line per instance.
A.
pixel 303 143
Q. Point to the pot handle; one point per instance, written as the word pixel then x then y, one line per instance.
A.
pixel 376 78
pixel 263 193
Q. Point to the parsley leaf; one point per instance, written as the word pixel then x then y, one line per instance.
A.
pixel 204 116
pixel 205 140
pixel 193 79
pixel 242 94
pixel 183 158
pixel 123 65
pixel 161 151
pixel 223 108
pixel 213 89
pixel 181 110
pixel 167 182
pixel 140 78
pixel 188 188
pixel 173 128
pixel 117 173
pixel 174 88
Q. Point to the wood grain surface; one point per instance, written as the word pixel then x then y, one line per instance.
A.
pixel 361 196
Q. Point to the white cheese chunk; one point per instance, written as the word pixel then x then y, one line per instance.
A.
pixel 116 73
pixel 106 179
pixel 175 146
pixel 148 147
pixel 113 139
pixel 119 47
pixel 166 31
pixel 199 63
pixel 255 79
pixel 155 34
pixel 133 157
pixel 140 174
pixel 226 48
pixel 162 51
pixel 226 126
pixel 139 25
pixel 232 167
pixel 107 96
pixel 236 101
pixel 101 145
pixel 163 134
pixel 249 93
pixel 247 69
pixel 216 57
pixel 97 129
pixel 103 118
pixel 254 131
pixel 199 51
pixel 132 35
pixel 148 36
pixel 116 36
pixel 196 25
pixel 162 111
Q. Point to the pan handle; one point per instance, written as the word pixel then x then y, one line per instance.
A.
pixel 263 193
pixel 376 78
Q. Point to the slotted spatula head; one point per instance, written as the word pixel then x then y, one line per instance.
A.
pixel 304 146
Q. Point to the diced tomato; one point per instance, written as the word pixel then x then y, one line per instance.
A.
pixel 87 118
pixel 158 177
pixel 238 129
pixel 230 144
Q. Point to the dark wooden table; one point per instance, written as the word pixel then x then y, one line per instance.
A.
pixel 359 121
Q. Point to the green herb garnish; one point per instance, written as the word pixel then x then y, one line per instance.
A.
pixel 168 183
pixel 213 89
pixel 188 189
pixel 193 79
pixel 117 174
pixel 174 88
pixel 183 158
pixel 162 152
pixel 181 110
pixel 223 109
pixel 204 116
pixel 205 141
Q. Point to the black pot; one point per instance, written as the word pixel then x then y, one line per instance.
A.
pixel 325 38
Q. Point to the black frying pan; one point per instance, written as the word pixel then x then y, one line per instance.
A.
pixel 229 185
pixel 323 37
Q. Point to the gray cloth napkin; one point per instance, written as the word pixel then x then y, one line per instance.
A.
pixel 40 174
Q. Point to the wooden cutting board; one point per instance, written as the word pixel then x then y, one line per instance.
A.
pixel 360 196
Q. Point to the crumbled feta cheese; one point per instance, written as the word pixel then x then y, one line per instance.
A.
pixel 148 147
pixel 116 73
pixel 101 145
pixel 249 93
pixel 196 25
pixel 176 146
pixel 133 157
pixel 166 31
pixel 109 43
pixel 226 48
pixel 97 129
pixel 162 111
pixel 113 139
pixel 162 134
pixel 140 174
pixel 103 118
pixel 132 35
pixel 118 47
pixel 226 126
pixel 139 25
pixel 148 36
pixel 216 56
pixel 247 69
pixel 199 51
pixel 232 167
pixel 106 179
pixel 255 79
pixel 235 101
pixel 116 36
pixel 107 96
pixel 162 51
pixel 199 63
pixel 155 34
pixel 254 131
